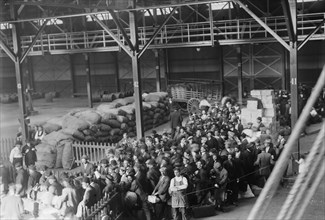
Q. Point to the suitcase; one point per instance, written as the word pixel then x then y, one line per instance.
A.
pixel 203 211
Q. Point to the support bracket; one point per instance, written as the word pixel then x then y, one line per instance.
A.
pixel 267 28
pixel 8 51
pixel 39 32
pixel 118 41
pixel 156 32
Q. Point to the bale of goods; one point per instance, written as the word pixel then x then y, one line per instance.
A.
pixel 46 155
pixel 89 138
pixel 70 121
pixel 106 117
pixel 131 123
pixel 59 154
pixel 94 128
pixel 108 97
pixel 55 137
pixel 105 107
pixel 154 104
pixel 68 131
pixel 124 101
pixel 88 132
pixel 130 117
pixel 119 95
pixel 122 119
pixel 155 96
pixel 146 106
pixel 78 135
pixel 67 156
pixel 56 121
pixel 102 133
pixel 104 127
pixel 113 123
pixel 124 126
pixel 115 131
pixel 49 127
pixel 121 112
pixel 104 139
pixel 90 116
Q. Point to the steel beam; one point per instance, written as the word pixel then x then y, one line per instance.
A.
pixel 288 19
pixel 8 51
pixel 311 34
pixel 118 41
pixel 119 26
pixel 18 70
pixel 158 80
pixel 294 73
pixel 156 32
pixel 267 28
pixel 211 24
pixel 117 71
pixel 240 75
pixel 39 32
pixel 136 72
pixel 89 89
pixel 104 9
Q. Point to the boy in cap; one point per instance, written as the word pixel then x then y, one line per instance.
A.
pixel 86 168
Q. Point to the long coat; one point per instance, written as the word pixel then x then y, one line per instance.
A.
pixel 161 189
pixel 264 162
pixel 176 119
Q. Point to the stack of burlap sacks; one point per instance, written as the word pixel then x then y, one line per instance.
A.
pixel 106 123
pixel 266 110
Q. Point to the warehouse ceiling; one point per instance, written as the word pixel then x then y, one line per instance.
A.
pixel 192 23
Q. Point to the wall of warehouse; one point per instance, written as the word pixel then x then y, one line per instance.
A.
pixel 263 65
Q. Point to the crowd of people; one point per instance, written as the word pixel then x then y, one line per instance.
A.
pixel 207 160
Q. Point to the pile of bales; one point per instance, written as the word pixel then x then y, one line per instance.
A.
pixel 106 123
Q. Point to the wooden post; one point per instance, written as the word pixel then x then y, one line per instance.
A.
pixel 158 81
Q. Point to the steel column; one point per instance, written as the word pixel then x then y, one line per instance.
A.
pixel 294 71
pixel 117 74
pixel 158 81
pixel 18 71
pixel 240 75
pixel 136 71
pixel 89 90
pixel 72 72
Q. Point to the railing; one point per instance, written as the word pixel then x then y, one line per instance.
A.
pixel 6 146
pixel 111 207
pixel 177 35
pixel 95 151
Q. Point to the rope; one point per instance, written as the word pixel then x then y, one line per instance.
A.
pixel 213 187
pixel 287 207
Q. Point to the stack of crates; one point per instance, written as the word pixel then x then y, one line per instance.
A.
pixel 267 113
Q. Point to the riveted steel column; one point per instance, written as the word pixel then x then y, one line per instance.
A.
pixel 294 72
pixel 89 89
pixel 18 70
pixel 136 70
pixel 240 75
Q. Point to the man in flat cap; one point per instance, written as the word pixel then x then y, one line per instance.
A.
pixel 86 168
